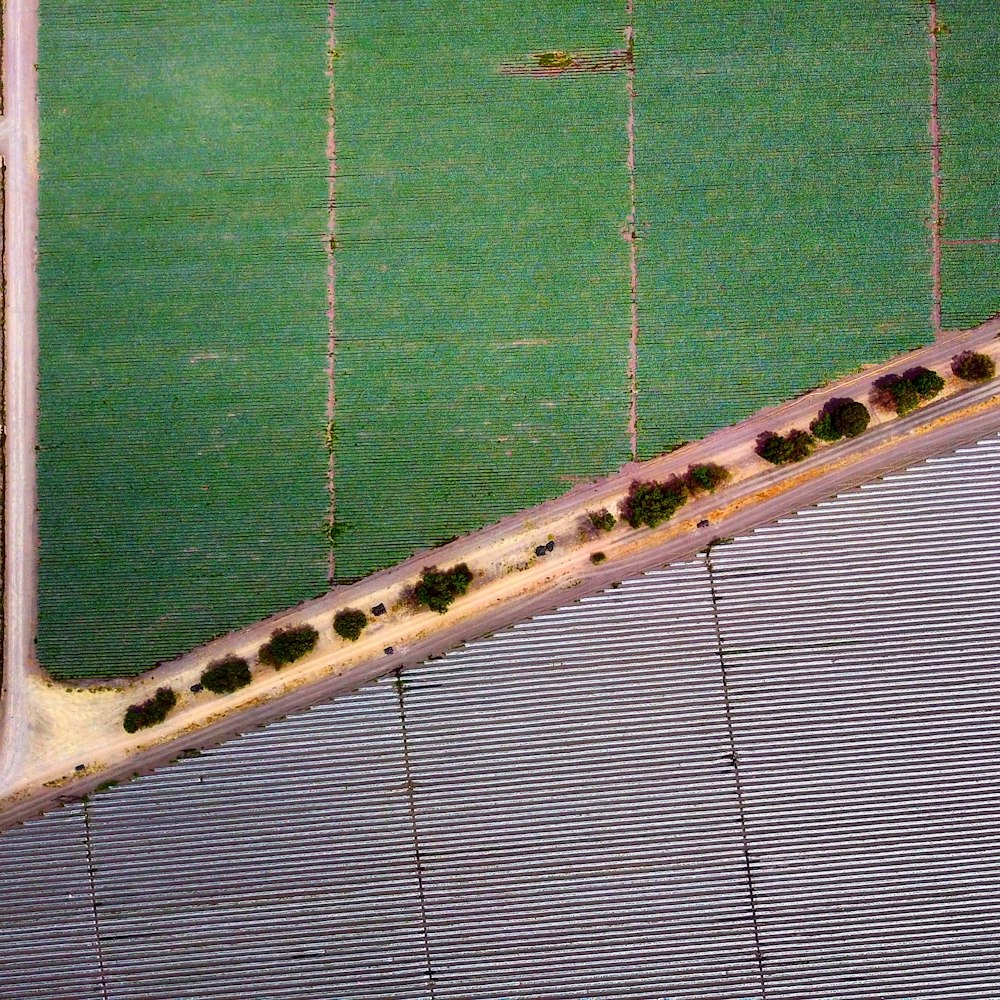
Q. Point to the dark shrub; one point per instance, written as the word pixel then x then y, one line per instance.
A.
pixel 705 478
pixel 438 588
pixel 896 392
pixel 928 383
pixel 151 711
pixel 226 675
pixel 652 503
pixel 287 645
pixel 602 520
pixel 780 450
pixel 905 396
pixel 349 623
pixel 840 418
pixel 597 557
pixel 973 367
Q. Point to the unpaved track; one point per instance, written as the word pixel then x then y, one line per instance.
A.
pixel 565 576
pixel 20 150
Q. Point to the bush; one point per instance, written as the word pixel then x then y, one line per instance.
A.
pixel 597 557
pixel 792 447
pixel 928 383
pixel 905 396
pixel 151 711
pixel 602 520
pixel 840 418
pixel 349 623
pixel 226 675
pixel 287 645
pixel 438 588
pixel 652 503
pixel 973 367
pixel 705 478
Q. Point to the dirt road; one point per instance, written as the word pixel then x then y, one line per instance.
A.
pixel 93 719
pixel 19 147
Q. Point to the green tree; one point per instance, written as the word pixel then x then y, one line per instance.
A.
pixel 973 367
pixel 780 450
pixel 287 645
pixel 149 712
pixel 349 623
pixel 928 383
pixel 438 588
pixel 652 503
pixel 705 478
pixel 226 675
pixel 905 396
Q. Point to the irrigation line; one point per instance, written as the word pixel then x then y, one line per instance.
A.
pixel 331 279
pixel 102 966
pixel 935 131
pixel 633 353
pixel 734 758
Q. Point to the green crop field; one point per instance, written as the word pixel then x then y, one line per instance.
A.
pixel 969 47
pixel 182 325
pixel 482 278
pixel 784 187
pixel 483 311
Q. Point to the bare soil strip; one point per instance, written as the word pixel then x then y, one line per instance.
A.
pixel 935 131
pixel 331 276
pixel 576 62
pixel 633 351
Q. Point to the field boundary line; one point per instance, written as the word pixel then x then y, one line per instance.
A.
pixel 733 757
pixel 934 127
pixel 400 683
pixel 102 967
pixel 633 352
pixel 331 279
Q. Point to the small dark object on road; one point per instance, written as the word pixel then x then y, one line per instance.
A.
pixel 540 550
pixel 389 650
pixel 703 523
pixel 550 546
pixel 196 688
pixel 379 609
pixel 81 767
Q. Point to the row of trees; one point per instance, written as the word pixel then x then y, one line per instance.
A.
pixel 840 418
pixel 650 503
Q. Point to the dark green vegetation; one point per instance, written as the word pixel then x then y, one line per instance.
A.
pixel 226 675
pixel 841 418
pixel 437 588
pixel 705 478
pixel 781 449
pixel 482 279
pixel 350 623
pixel 182 323
pixel 597 558
pixel 904 393
pixel 974 367
pixel 968 102
pixel 287 645
pixel 783 184
pixel 652 503
pixel 149 712
pixel 602 520
pixel 482 296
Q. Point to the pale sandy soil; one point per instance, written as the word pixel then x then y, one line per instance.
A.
pixel 60 726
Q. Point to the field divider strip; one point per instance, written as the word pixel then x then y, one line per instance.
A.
pixel 102 967
pixel 631 236
pixel 936 210
pixel 331 280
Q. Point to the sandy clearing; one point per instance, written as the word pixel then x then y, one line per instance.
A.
pixel 70 726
